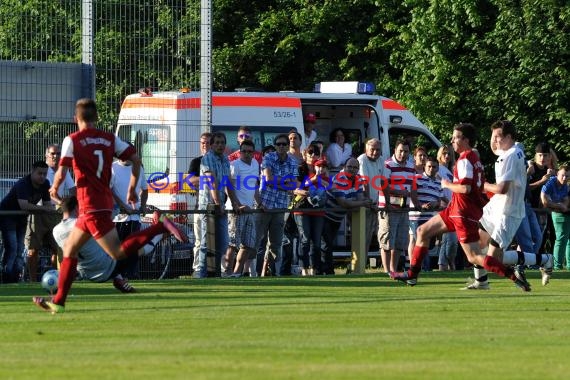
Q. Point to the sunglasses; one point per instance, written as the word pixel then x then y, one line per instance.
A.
pixel 244 136
pixel 281 144
pixel 247 151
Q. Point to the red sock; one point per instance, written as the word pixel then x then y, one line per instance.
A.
pixel 67 273
pixel 418 255
pixel 136 240
pixel 491 264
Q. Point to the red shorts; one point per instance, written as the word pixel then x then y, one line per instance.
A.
pixel 98 223
pixel 467 229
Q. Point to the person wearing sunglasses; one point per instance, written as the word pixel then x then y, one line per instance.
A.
pixel 314 179
pixel 279 174
pixel 244 133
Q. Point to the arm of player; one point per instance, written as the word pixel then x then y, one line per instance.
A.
pixel 132 196
pixel 456 187
pixel 497 188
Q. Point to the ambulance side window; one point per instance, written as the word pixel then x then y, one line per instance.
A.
pixel 152 144
pixel 416 138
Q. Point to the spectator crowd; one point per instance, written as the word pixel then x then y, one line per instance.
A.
pixel 286 205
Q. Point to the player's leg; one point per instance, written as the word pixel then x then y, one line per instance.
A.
pixel 481 278
pixel 425 233
pixel 111 243
pixel 67 271
pixel 491 264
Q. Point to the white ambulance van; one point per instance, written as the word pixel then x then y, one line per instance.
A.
pixel 165 126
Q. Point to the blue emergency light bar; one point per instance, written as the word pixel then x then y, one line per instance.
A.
pixel 345 88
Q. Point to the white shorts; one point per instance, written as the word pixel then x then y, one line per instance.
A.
pixel 501 228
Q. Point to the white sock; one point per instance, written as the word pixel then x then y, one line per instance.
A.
pixel 149 247
pixel 529 258
pixel 510 257
pixel 479 273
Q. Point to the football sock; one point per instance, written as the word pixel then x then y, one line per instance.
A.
pixel 418 255
pixel 512 258
pixel 67 273
pixel 149 247
pixel 493 265
pixel 480 274
pixel 136 240
pixel 523 258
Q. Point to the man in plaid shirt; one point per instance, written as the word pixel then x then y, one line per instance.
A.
pixel 279 174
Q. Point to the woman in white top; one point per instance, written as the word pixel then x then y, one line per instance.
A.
pixel 338 151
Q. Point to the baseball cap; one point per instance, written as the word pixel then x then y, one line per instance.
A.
pixel 310 118
pixel 542 148
pixel 320 162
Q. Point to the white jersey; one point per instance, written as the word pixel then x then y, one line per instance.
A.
pixel 93 263
pixel 504 212
pixel 246 179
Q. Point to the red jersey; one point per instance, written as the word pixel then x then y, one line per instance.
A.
pixel 90 152
pixel 468 170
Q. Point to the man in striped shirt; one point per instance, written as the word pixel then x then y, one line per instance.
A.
pixel 396 194
pixel 345 193
pixel 430 198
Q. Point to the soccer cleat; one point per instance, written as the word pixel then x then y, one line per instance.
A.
pixel 477 285
pixel 546 270
pixel 519 273
pixel 522 284
pixel 48 306
pixel 122 285
pixel 170 227
pixel 404 277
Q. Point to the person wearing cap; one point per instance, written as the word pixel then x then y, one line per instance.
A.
pixel 314 179
pixel 539 171
pixel 310 133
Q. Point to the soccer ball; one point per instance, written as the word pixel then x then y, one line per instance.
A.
pixel 49 280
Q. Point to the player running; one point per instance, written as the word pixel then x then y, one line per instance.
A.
pixel 503 214
pixel 462 215
pixel 90 152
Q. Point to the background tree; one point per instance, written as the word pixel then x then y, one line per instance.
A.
pixel 448 61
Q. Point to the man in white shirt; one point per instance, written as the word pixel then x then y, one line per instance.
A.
pixel 245 179
pixel 372 169
pixel 506 209
pixel 127 218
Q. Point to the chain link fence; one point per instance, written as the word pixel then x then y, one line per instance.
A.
pixel 54 52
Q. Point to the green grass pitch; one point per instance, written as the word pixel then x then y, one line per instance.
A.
pixel 320 328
